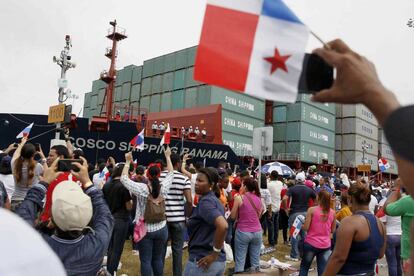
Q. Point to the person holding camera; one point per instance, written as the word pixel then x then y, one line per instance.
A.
pixel 82 220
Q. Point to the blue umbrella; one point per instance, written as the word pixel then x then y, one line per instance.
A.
pixel 281 169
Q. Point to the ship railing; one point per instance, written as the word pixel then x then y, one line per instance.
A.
pixel 118 30
pixel 288 156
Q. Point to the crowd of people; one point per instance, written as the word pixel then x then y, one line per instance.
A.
pixel 83 212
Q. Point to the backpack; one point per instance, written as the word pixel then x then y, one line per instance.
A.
pixel 154 209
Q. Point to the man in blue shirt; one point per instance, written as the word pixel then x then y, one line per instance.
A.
pixel 324 184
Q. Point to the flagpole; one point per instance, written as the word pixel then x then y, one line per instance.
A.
pixel 326 46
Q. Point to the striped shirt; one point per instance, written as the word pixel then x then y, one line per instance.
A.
pixel 175 201
pixel 140 190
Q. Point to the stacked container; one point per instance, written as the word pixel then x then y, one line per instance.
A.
pixel 356 125
pixel 304 131
pixel 386 152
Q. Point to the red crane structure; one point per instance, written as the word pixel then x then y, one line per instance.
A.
pixel 101 122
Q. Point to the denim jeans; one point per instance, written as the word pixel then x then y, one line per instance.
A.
pixel 393 255
pixel 176 234
pixel 116 245
pixel 152 252
pixel 295 249
pixel 215 269
pixel 273 225
pixel 309 252
pixel 247 241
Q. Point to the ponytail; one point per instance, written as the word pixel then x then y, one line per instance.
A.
pixel 153 175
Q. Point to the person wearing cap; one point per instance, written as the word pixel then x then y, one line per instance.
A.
pixel 6 175
pixel 299 196
pixel 83 222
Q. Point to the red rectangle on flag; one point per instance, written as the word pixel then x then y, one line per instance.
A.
pixel 225 48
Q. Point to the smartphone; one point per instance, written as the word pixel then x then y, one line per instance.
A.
pixel 37 146
pixel 66 165
pixel 316 75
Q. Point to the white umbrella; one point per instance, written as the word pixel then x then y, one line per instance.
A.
pixel 281 169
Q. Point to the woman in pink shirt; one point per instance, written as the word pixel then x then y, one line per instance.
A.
pixel 319 224
pixel 247 209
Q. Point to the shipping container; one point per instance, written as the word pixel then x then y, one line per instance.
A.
pixel 381 137
pixel 239 124
pixel 101 96
pixel 190 97
pixel 338 108
pixel 278 148
pixel 338 126
pixel 144 103
pixel 203 95
pixel 386 151
pixel 179 79
pixel 279 114
pixel 148 68
pixel 94 101
pixel 353 142
pixel 181 59
pixel 309 114
pixel 134 107
pixel 238 102
pixel 158 65
pixel 146 86
pixel 189 80
pixel 166 101
pixel 117 96
pixel 359 126
pixel 86 113
pixel 191 54
pixel 167 81
pixel 393 167
pixel 178 99
pixel 306 98
pixel 354 158
pixel 97 85
pixel 308 152
pixel 240 144
pixel 279 132
pixel 87 99
pixel 359 111
pixel 137 74
pixel 338 158
pixel 156 84
pixel 126 91
pixel 155 103
pixel 299 131
pixel 169 63
pixel 135 92
pixel 338 142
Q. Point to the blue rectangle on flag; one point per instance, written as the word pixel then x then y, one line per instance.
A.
pixel 279 10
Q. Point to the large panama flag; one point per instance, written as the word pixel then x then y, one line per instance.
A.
pixel 252 46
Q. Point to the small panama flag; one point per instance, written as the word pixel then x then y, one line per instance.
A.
pixel 138 141
pixel 296 226
pixel 167 136
pixel 383 164
pixel 25 132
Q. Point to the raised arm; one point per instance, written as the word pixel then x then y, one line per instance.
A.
pixel 183 170
pixel 136 188
pixel 166 183
pixel 18 150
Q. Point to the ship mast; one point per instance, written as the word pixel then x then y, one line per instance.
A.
pixel 109 77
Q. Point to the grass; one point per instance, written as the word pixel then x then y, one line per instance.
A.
pixel 131 263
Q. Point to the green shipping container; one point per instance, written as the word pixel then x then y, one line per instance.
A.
pixel 178 99
pixel 191 97
pixel 126 91
pixel 135 92
pixel 156 84
pixel 144 103
pixel 134 107
pixel 146 87
pixel 279 132
pixel 94 101
pixel 118 94
pixel 169 63
pixel 137 74
pixel 189 80
pixel 239 124
pixel 148 68
pixel 299 131
pixel 97 85
pixel 158 65
pixel 312 153
pixel 167 81
pixel 279 114
pixel 191 55
pixel 240 144
pixel 166 101
pixel 181 59
pixel 203 95
pixel 278 148
pixel 310 114
pixel 238 102
pixel 87 100
pixel 305 98
pixel 86 113
pixel 155 103
pixel 179 79
pixel 101 96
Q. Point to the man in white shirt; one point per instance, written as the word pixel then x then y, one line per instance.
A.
pixel 275 187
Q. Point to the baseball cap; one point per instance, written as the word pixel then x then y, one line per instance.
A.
pixel 71 207
pixel 300 177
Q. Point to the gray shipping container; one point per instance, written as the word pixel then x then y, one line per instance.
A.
pixel 393 167
pixel 381 137
pixel 359 111
pixel 354 158
pixel 353 142
pixel 338 126
pixel 359 126
pixel 386 151
pixel 338 158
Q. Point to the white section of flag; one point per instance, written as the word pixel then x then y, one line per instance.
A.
pixel 25 131
pixel 248 6
pixel 290 39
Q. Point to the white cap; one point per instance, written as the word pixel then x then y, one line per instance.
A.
pixel 300 177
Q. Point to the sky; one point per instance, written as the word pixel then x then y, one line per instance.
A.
pixel 33 32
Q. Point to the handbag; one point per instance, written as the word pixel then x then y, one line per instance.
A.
pixel 140 230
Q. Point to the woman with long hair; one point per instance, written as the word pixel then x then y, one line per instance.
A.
pixel 360 239
pixel 26 171
pixel 207 227
pixel 320 224
pixel 247 210
pixel 153 245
